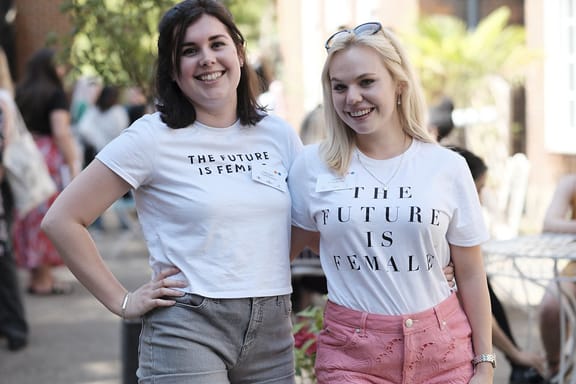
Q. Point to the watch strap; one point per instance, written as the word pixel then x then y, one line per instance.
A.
pixel 484 358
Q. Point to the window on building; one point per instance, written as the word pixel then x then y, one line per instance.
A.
pixel 560 76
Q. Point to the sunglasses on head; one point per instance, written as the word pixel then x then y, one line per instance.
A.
pixel 363 29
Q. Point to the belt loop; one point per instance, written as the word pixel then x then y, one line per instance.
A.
pixel 363 323
pixel 439 317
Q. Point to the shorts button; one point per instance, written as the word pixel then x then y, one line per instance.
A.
pixel 409 323
pixel 357 330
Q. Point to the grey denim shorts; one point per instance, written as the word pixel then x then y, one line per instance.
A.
pixel 218 341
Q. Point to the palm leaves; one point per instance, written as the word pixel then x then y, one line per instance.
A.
pixel 454 60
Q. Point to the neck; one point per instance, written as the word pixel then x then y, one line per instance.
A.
pixel 217 121
pixel 219 114
pixel 384 147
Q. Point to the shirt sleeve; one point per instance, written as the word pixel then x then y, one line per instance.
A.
pixel 301 184
pixel 58 101
pixel 131 154
pixel 467 227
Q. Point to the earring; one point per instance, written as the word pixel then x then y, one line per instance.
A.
pixel 399 99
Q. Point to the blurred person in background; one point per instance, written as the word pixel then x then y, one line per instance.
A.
pixel 101 123
pixel 526 367
pixel 41 98
pixel 136 103
pixel 13 323
pixel 441 124
pixel 560 217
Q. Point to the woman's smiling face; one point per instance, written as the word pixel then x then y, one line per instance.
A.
pixel 209 67
pixel 363 91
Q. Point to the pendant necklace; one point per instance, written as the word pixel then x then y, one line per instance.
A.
pixel 384 184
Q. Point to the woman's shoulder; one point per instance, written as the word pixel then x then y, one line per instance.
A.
pixel 150 121
pixel 311 149
pixel 310 156
pixel 438 157
pixel 442 153
pixel 148 125
pixel 275 122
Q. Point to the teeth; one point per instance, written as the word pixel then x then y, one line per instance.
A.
pixel 360 113
pixel 211 76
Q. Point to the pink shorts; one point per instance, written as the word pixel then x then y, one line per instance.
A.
pixel 434 346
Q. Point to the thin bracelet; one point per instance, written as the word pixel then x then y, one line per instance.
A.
pixel 125 304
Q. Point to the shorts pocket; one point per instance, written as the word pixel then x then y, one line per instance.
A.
pixel 333 338
pixel 341 350
pixel 189 300
pixel 286 303
pixel 458 327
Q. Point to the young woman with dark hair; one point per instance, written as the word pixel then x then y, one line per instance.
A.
pixel 208 171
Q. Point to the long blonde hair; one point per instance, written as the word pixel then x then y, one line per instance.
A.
pixel 337 149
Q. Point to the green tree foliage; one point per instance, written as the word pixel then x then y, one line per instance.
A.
pixel 116 39
pixel 454 60
pixel 248 16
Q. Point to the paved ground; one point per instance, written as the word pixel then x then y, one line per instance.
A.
pixel 75 340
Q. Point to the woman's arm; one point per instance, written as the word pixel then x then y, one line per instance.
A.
pixel 504 344
pixel 66 222
pixel 62 133
pixel 473 291
pixel 557 217
pixel 301 239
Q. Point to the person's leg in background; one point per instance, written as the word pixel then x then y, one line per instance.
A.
pixel 13 324
pixel 522 364
pixel 550 322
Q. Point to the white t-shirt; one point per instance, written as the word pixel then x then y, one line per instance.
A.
pixel 202 207
pixel 383 251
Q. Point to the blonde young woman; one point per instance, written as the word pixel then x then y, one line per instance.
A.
pixel 391 208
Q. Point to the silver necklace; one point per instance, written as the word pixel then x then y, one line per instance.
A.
pixel 384 184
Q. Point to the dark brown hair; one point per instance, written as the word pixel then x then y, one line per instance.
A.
pixel 176 110
pixel 108 97
pixel 39 85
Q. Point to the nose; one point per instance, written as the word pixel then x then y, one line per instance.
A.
pixel 207 58
pixel 353 96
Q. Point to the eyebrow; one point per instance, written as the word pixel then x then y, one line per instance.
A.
pixel 211 38
pixel 363 75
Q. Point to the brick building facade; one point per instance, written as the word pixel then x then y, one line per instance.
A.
pixel 35 23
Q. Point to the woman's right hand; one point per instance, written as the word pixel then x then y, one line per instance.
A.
pixel 153 294
pixel 449 274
